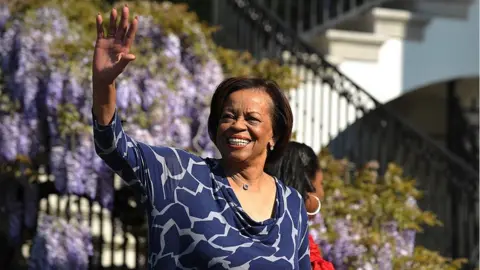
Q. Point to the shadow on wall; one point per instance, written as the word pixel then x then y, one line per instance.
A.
pixel 426 107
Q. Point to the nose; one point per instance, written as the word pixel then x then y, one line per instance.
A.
pixel 239 124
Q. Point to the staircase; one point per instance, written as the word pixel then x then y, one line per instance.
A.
pixel 462 124
pixel 315 16
pixel 356 29
pixel 338 113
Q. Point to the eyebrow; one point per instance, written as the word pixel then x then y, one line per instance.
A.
pixel 251 112
pixel 254 112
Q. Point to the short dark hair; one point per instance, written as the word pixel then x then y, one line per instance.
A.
pixel 296 168
pixel 282 117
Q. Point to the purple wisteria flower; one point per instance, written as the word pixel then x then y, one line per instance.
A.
pixel 170 90
pixel 60 245
pixel 346 251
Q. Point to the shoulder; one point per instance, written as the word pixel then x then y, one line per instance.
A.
pixel 292 197
pixel 175 153
pixel 172 158
pixel 289 192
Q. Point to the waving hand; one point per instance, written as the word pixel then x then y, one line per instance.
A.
pixel 112 51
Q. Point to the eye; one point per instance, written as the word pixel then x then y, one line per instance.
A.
pixel 253 120
pixel 227 115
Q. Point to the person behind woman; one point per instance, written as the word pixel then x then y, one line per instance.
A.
pixel 206 213
pixel 299 168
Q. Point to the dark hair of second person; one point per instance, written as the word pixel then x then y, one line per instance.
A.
pixel 299 169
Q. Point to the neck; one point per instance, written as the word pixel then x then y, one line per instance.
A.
pixel 250 173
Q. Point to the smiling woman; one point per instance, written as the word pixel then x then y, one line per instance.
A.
pixel 214 213
pixel 246 120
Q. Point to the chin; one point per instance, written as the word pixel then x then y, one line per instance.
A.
pixel 235 157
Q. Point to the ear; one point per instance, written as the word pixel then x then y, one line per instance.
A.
pixel 271 145
pixel 273 140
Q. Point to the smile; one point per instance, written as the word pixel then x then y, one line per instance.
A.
pixel 238 142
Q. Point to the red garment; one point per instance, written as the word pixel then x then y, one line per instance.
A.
pixel 318 263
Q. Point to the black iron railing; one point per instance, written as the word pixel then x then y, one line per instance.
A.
pixel 357 126
pixel 316 16
pixel 462 138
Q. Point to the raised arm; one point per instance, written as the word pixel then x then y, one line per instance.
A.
pixel 146 168
pixel 110 58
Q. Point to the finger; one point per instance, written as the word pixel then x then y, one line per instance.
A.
pixel 113 23
pixel 132 30
pixel 100 33
pixel 122 28
pixel 122 63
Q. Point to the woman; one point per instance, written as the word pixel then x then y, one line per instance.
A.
pixel 299 168
pixel 206 213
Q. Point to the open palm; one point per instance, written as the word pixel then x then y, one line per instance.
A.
pixel 112 52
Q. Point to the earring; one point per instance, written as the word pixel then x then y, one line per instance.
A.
pixel 318 208
pixel 271 147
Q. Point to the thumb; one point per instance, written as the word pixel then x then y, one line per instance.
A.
pixel 123 61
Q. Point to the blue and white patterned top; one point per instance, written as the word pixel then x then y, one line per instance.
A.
pixel 195 219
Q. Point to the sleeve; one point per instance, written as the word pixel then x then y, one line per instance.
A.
pixel 304 247
pixel 316 260
pixel 145 168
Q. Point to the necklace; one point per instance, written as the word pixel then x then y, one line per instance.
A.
pixel 245 186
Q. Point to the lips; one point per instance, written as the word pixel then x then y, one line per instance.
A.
pixel 237 142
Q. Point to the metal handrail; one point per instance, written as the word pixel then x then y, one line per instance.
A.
pixel 460 124
pixel 311 17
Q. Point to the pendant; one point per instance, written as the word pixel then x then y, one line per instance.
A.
pixel 245 187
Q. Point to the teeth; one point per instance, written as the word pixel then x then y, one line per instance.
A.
pixel 238 141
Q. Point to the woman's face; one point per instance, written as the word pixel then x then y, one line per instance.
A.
pixel 245 126
pixel 311 203
pixel 318 184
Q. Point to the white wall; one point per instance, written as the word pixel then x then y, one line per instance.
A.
pixel 448 50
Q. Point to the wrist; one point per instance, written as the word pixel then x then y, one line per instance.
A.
pixel 102 84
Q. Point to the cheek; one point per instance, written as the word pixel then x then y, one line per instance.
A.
pixel 319 190
pixel 222 127
pixel 220 130
pixel 263 137
pixel 265 132
pixel 319 184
